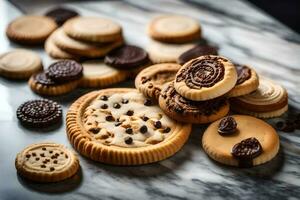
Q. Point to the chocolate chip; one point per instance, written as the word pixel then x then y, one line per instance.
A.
pixel 129 130
pixel 157 124
pixel 147 102
pixel 28 156
pixel 45 161
pixel 50 151
pixel 104 106
pixel 125 101
pixel 53 157
pixel 43 166
pixel 109 118
pixel 33 154
pixel 143 129
pixel 56 154
pixel 167 130
pixel 42 155
pixel 44 149
pixel 95 130
pixel 55 161
pixel 52 169
pixel 116 105
pixel 66 156
pixel 286 126
pixel 144 118
pixel 37 158
pixel 104 98
pixel 129 112
pixel 227 126
pixel 118 123
pixel 128 140
pixel 247 149
pixel 150 85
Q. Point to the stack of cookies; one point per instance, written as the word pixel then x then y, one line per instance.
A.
pixel 171 36
pixel 84 37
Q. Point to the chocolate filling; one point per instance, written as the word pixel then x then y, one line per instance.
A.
pixel 244 73
pixel 227 126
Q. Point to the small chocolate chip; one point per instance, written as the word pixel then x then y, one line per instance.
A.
pixel 125 101
pixel 94 130
pixel 55 161
pixel 129 130
pixel 44 149
pixel 37 158
pixel 28 156
pixel 143 129
pixel 128 140
pixel 104 106
pixel 129 112
pixel 147 102
pixel 45 161
pixel 116 105
pixel 42 155
pixel 144 118
pixel 109 118
pixel 43 166
pixel 56 154
pixel 167 130
pixel 104 98
pixel 52 169
pixel 66 156
pixel 118 123
pixel 157 124
pixel 50 151
pixel 53 157
pixel 33 154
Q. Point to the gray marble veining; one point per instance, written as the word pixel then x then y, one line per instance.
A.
pixel 242 32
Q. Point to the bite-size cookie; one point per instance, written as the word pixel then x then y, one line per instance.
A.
pixel 30 29
pixel 240 140
pixel 196 112
pixel 205 77
pixel 246 83
pixel 151 80
pixel 163 52
pixel 46 162
pixel 269 100
pixel 97 74
pixel 93 29
pixel 174 29
pixel 120 126
pixel 20 64
pixel 61 14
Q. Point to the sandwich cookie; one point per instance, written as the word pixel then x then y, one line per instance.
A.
pixel 269 100
pixel 46 162
pixel 121 127
pixel 61 15
pixel 247 81
pixel 240 140
pixel 196 112
pixel 151 80
pixel 205 77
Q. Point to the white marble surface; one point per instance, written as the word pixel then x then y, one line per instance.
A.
pixel 242 33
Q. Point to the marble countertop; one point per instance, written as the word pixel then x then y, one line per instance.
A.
pixel 242 32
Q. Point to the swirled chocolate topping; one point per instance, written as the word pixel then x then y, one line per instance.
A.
pixel 42 78
pixel 205 71
pixel 181 105
pixel 244 73
pixel 227 126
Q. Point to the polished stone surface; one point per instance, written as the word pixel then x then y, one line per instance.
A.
pixel 242 33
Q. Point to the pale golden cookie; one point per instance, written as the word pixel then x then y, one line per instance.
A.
pixel 174 29
pixel 93 29
pixel 269 100
pixel 20 64
pixel 247 81
pixel 120 126
pixel 221 147
pixel 151 80
pixel 205 77
pixel 46 162
pixel 97 74
pixel 162 52
pixel 30 29
pixel 80 48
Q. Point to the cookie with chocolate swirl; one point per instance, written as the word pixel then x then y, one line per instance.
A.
pixel 184 110
pixel 205 78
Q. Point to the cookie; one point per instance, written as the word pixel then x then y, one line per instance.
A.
pixel 187 111
pixel 61 14
pixel 174 29
pixel 127 57
pixel 205 77
pixel 269 100
pixel 20 64
pixel 39 113
pixel 93 29
pixel 46 162
pixel 151 80
pixel 249 142
pixel 83 49
pixel 41 84
pixel 97 74
pixel 64 71
pixel 162 52
pixel 30 29
pixel 197 51
pixel 122 127
pixel 247 81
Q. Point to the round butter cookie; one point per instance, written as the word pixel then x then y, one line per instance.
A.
pixel 205 77
pixel 97 74
pixel 162 52
pixel 247 81
pixel 20 64
pixel 93 29
pixel 269 100
pixel 46 162
pixel 196 112
pixel 120 126
pixel 30 29
pixel 174 29
pixel 151 80
pixel 240 140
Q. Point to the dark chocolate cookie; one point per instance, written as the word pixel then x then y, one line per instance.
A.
pixel 127 57
pixel 199 50
pixel 61 15
pixel 64 71
pixel 39 113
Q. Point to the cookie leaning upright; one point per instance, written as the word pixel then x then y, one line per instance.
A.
pixel 205 78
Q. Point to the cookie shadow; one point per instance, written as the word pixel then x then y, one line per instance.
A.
pixel 60 187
